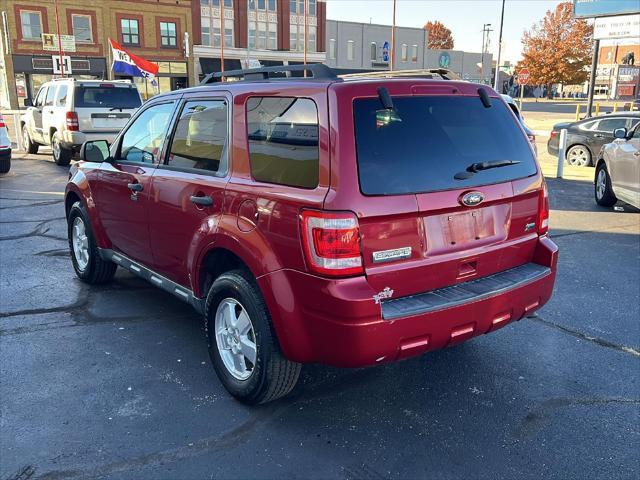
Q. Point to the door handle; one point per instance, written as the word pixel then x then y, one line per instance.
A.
pixel 202 201
pixel 597 135
pixel 135 187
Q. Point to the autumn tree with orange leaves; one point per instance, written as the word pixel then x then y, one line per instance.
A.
pixel 558 48
pixel 439 36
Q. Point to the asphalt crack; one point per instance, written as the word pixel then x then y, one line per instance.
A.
pixel 36 204
pixel 583 336
pixel 40 231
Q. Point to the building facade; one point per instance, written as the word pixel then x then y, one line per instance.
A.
pixel 271 32
pixel 364 46
pixel 152 29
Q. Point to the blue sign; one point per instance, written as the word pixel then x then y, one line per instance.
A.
pixel 445 60
pixel 604 8
pixel 385 52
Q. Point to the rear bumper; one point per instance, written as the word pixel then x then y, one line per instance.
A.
pixel 552 149
pixel 76 139
pixel 5 153
pixel 337 322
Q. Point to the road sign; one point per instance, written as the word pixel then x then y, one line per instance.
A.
pixel 523 76
pixel 50 42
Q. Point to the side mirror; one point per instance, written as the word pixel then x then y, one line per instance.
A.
pixel 620 133
pixel 95 151
pixel 28 102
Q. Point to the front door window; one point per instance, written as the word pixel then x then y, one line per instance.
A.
pixel 142 142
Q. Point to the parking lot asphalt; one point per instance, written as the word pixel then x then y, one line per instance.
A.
pixel 115 382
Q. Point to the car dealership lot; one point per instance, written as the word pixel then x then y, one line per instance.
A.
pixel 115 381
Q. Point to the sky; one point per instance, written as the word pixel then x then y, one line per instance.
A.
pixel 464 18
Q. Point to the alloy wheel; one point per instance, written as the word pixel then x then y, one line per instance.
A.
pixel 578 156
pixel 235 338
pixel 601 183
pixel 80 243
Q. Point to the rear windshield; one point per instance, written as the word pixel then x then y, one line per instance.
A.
pixel 106 97
pixel 425 140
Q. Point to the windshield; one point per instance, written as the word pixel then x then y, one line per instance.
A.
pixel 425 140
pixel 106 97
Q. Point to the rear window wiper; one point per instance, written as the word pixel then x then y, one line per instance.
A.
pixel 479 166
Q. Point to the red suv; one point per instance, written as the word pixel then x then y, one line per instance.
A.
pixel 348 222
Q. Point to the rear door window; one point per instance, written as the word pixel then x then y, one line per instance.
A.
pixel 200 139
pixel 283 140
pixel 106 96
pixel 608 125
pixel 61 97
pixel 426 140
pixel 50 96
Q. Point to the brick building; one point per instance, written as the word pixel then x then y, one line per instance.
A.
pixel 153 29
pixel 269 31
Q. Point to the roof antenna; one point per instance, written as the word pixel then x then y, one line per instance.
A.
pixel 484 96
pixel 385 98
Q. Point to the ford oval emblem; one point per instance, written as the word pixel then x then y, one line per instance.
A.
pixel 472 199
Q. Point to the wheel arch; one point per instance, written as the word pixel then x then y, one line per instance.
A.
pixel 78 190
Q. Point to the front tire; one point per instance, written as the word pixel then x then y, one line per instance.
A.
pixel 28 144
pixel 62 156
pixel 602 188
pixel 579 155
pixel 86 259
pixel 242 345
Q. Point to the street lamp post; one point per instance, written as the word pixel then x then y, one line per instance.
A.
pixel 485 40
pixel 497 77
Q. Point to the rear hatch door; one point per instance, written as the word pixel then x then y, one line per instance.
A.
pixel 436 230
pixel 105 107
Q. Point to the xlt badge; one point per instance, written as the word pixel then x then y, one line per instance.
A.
pixel 391 255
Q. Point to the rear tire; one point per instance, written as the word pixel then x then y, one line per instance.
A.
pixel 271 376
pixel 579 155
pixel 602 187
pixel 5 164
pixel 28 144
pixel 62 156
pixel 85 256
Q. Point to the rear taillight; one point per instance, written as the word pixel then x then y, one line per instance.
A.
pixel 553 134
pixel 72 121
pixel 543 210
pixel 331 242
pixel 2 124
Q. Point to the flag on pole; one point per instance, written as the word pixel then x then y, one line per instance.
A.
pixel 125 63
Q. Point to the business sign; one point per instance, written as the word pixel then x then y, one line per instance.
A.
pixel 385 52
pixel 59 62
pixel 50 42
pixel 604 8
pixel 624 26
pixel 444 60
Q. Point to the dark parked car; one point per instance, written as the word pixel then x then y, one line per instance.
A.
pixel 585 138
pixel 346 222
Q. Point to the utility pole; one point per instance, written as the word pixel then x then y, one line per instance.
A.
pixel 59 37
pixel 485 40
pixel 305 6
pixel 220 9
pixel 497 77
pixel 393 38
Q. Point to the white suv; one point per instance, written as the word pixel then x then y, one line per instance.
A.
pixel 67 112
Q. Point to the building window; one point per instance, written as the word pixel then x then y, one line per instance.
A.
pixel 374 51
pixel 351 49
pixel 312 7
pixel 130 31
pixel 404 52
pixel 262 35
pixel 311 41
pixel 293 38
pixel 272 5
pixel 206 37
pixel 414 53
pixel 293 4
pixel 297 6
pixel 31 23
pixel 228 36
pixel 332 48
pixel 216 3
pixel 168 35
pixel 81 25
pixel 272 42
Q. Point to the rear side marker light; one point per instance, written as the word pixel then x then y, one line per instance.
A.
pixel 331 242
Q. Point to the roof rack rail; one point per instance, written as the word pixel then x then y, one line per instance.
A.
pixel 442 73
pixel 319 71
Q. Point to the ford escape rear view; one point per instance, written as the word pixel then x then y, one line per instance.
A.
pixel 341 221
